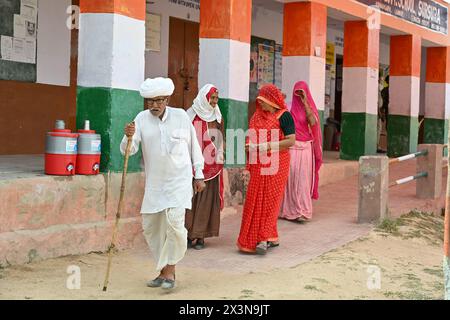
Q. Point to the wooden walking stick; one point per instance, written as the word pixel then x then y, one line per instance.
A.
pixel 119 211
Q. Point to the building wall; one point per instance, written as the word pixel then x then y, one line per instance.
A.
pixel 265 24
pixel 28 110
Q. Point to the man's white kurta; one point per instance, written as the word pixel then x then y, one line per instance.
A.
pixel 170 150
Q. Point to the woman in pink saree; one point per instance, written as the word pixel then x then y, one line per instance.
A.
pixel 306 157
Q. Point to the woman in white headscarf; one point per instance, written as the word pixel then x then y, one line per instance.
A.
pixel 203 221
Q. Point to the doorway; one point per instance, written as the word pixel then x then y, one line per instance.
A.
pixel 183 61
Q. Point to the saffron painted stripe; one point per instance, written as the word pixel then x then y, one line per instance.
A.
pixel 438 65
pixel 306 68
pixel 111 51
pixel 226 64
pixel 361 46
pixel 406 54
pixel 360 90
pixel 437 100
pixel 404 96
pixel 226 19
pixel 130 8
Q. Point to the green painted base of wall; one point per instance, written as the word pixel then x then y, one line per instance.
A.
pixel 235 114
pixel 436 131
pixel 108 110
pixel 359 135
pixel 402 135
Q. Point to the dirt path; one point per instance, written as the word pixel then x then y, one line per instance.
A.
pixel 407 253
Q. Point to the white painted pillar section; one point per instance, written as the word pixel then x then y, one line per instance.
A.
pixel 404 94
pixel 222 62
pixel 111 51
pixel 360 90
pixel 304 68
pixel 437 100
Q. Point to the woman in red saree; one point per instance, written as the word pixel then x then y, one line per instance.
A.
pixel 271 133
pixel 306 157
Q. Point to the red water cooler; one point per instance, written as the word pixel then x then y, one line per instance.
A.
pixel 61 151
pixel 89 151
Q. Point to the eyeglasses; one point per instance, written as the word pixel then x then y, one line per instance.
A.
pixel 158 101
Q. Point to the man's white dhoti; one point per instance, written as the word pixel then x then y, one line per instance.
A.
pixel 166 236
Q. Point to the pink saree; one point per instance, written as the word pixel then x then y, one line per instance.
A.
pixel 306 159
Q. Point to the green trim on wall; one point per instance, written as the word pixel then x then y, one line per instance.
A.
pixel 403 134
pixel 359 135
pixel 108 110
pixel 235 114
pixel 435 131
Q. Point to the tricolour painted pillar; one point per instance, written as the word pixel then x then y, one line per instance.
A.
pixel 304 49
pixel 110 72
pixel 437 95
pixel 225 31
pixel 404 95
pixel 360 90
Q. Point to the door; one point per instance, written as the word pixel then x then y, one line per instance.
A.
pixel 183 61
pixel 338 92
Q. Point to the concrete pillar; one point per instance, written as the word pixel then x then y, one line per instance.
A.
pixel 110 72
pixel 360 90
pixel 431 186
pixel 373 188
pixel 304 49
pixel 437 95
pixel 404 95
pixel 225 31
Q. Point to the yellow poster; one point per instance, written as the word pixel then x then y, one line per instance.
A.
pixel 330 53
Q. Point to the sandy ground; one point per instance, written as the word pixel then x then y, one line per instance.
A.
pixel 405 253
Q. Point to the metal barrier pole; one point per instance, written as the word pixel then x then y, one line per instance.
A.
pixel 430 187
pixel 373 188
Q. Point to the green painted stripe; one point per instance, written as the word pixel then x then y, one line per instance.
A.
pixel 235 114
pixel 403 134
pixel 359 135
pixel 108 110
pixel 435 131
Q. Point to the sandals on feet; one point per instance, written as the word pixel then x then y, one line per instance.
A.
pixel 261 248
pixel 155 283
pixel 200 244
pixel 168 284
pixel 271 244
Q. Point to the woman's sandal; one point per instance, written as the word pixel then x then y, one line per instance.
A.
pixel 261 248
pixel 168 283
pixel 271 244
pixel 200 244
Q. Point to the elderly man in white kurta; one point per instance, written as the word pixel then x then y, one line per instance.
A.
pixel 171 155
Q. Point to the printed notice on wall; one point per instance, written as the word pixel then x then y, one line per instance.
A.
pixel 153 32
pixel 19 26
pixel 266 63
pixel 18 52
pixel 20 45
pixel 193 4
pixel 6 44
pixel 30 51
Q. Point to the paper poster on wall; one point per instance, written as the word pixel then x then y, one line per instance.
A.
pixel 18 52
pixel 266 61
pixel 30 51
pixel 253 67
pixel 278 65
pixel 30 29
pixel 6 47
pixel 153 32
pixel 28 11
pixel 19 26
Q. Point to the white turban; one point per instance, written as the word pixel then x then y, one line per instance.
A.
pixel 157 87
